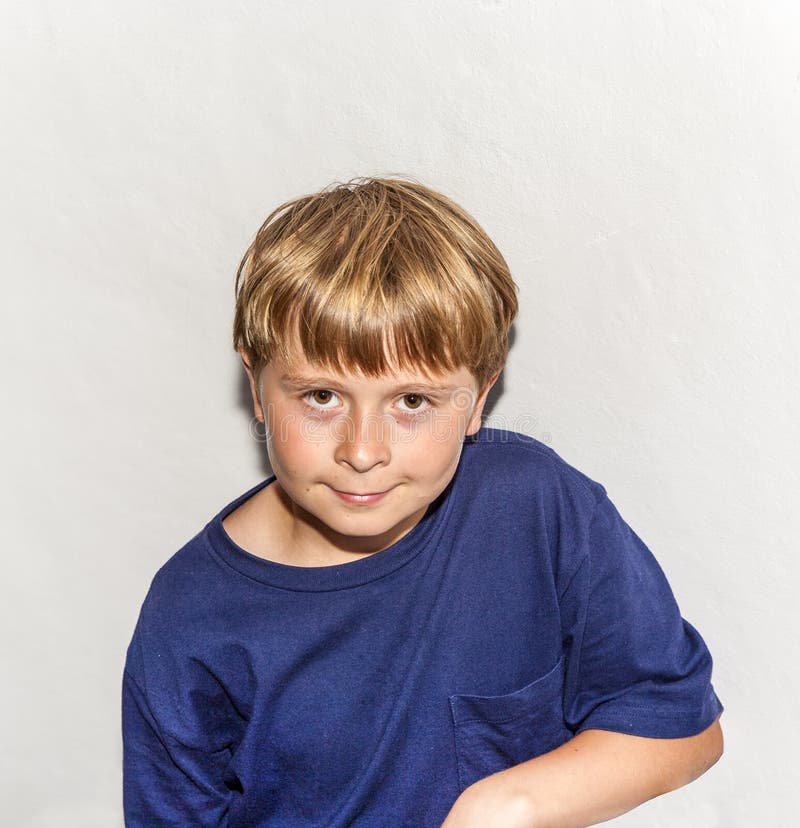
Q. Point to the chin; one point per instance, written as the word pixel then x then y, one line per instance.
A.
pixel 360 528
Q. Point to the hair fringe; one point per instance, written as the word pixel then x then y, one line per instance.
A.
pixel 371 275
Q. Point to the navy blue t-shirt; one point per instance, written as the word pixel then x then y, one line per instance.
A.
pixel 521 610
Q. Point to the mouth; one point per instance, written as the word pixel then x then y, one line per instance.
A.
pixel 361 499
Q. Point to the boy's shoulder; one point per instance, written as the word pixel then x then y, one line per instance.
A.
pixel 194 570
pixel 520 463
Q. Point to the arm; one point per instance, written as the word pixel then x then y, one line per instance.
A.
pixel 592 778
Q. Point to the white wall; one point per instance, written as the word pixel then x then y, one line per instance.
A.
pixel 637 163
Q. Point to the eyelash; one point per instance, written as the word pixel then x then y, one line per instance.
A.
pixel 308 399
pixel 416 412
pixel 409 413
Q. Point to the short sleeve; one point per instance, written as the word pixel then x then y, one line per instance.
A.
pixel 633 664
pixel 165 782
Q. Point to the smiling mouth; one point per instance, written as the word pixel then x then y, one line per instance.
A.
pixel 365 499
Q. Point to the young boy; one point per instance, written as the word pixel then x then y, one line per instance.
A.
pixel 416 621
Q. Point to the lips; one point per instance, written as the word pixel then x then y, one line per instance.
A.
pixel 361 499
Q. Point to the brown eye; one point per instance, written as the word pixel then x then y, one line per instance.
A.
pixel 413 402
pixel 321 397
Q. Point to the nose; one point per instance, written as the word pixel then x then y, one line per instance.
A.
pixel 363 442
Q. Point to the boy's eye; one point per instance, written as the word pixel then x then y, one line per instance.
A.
pixel 321 398
pixel 413 402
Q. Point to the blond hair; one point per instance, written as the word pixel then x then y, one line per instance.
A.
pixel 375 274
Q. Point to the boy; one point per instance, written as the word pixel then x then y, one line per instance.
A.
pixel 415 622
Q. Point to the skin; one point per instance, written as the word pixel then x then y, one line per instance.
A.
pixel 331 434
pixel 402 434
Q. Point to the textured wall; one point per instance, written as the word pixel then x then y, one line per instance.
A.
pixel 637 163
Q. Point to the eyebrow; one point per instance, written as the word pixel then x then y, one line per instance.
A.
pixel 326 382
pixel 304 379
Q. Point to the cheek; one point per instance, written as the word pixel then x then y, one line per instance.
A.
pixel 435 450
pixel 291 449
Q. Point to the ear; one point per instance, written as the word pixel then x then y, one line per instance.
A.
pixel 258 410
pixel 477 412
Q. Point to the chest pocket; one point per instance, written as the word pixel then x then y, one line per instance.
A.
pixel 495 732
